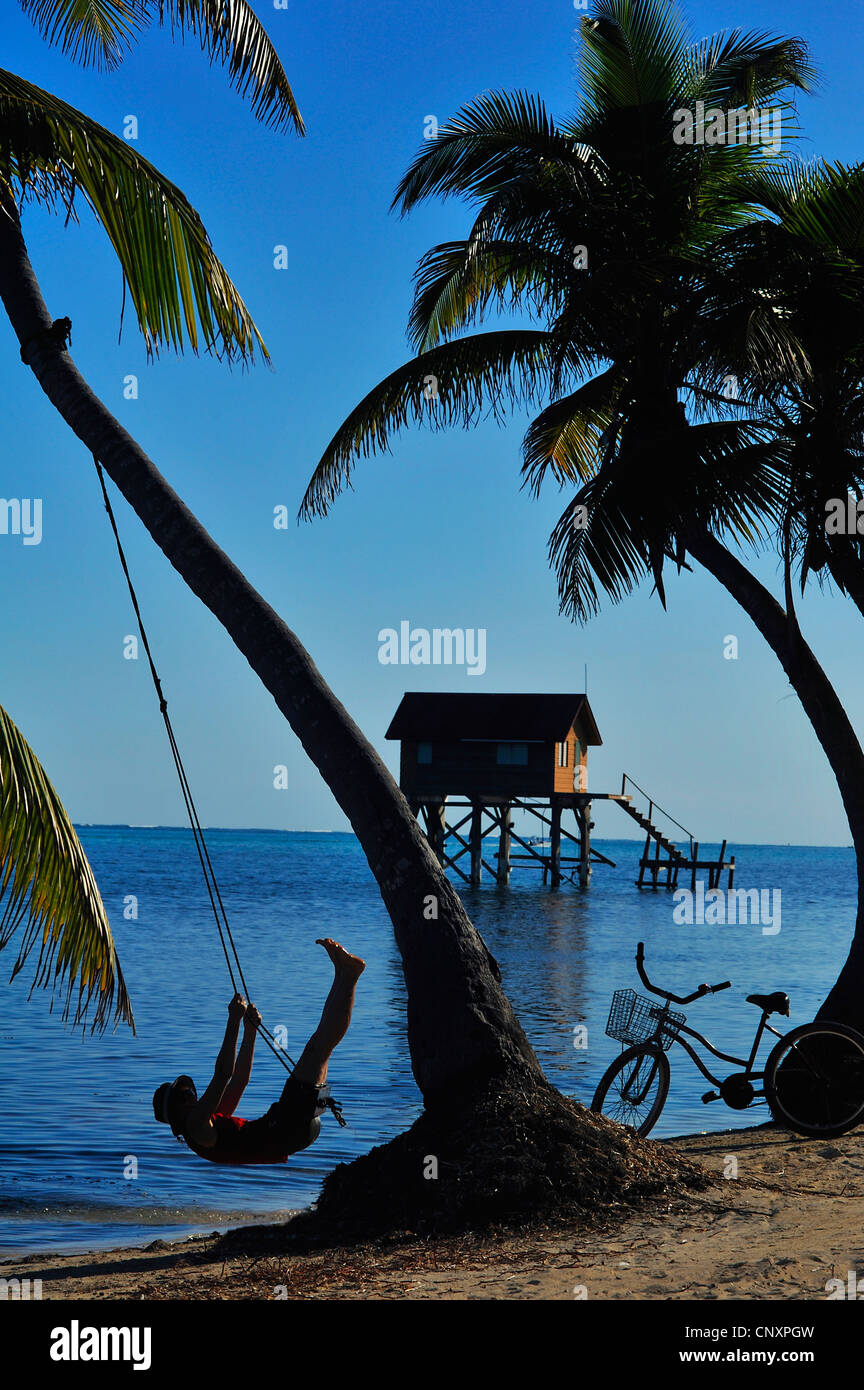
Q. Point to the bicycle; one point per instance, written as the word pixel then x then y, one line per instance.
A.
pixel 813 1080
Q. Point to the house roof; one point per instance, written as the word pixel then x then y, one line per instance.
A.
pixel 433 717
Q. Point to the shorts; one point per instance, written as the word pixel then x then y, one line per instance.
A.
pixel 295 1119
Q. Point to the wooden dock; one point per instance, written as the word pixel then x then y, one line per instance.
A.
pixel 662 860
pixel 484 756
pixel 484 816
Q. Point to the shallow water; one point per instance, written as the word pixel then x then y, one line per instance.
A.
pixel 77 1115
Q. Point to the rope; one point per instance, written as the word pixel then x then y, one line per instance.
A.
pixel 218 907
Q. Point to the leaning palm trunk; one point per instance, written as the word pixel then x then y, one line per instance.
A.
pixel 506 1145
pixel 461 1028
pixel 831 724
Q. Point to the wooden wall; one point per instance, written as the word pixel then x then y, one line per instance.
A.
pixel 473 769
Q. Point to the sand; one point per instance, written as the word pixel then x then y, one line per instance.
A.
pixel 791 1220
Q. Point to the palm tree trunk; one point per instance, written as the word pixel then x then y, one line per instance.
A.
pixel 845 1002
pixel 461 1028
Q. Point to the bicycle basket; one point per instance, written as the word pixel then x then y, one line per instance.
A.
pixel 635 1019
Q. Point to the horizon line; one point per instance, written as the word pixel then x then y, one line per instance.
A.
pixel 276 830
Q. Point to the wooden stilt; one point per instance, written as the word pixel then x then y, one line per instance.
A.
pixel 585 823
pixel 503 875
pixel 640 882
pixel 555 845
pixel 476 843
pixel 436 828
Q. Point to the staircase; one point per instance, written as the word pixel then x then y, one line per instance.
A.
pixel 661 869
pixel 653 832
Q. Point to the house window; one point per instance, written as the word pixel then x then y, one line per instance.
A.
pixel 424 752
pixel 563 754
pixel 513 753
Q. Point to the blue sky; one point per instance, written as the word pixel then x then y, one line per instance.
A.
pixel 438 533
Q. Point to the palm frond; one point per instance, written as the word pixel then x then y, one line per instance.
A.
pixel 101 32
pixel 567 438
pixel 738 68
pixel 180 290
pixel 628 53
pixel 231 33
pixel 457 283
pixel 720 477
pixel 49 895
pixel 484 147
pixel 820 203
pixel 454 383
pixel 89 31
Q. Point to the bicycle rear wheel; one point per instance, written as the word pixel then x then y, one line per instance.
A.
pixel 633 1090
pixel 814 1079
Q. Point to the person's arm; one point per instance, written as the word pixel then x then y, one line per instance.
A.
pixel 243 1066
pixel 199 1121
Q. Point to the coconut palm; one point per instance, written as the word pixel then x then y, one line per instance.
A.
pixel 809 247
pixel 474 1048
pixel 49 902
pixel 642 276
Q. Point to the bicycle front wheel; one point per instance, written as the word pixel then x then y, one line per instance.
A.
pixel 633 1090
pixel 814 1079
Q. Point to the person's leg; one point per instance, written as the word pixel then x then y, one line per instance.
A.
pixel 335 1017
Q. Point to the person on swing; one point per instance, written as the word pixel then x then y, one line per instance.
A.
pixel 210 1127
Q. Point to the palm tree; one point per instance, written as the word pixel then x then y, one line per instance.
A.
pixel 49 901
pixel 470 1056
pixel 809 247
pixel 633 259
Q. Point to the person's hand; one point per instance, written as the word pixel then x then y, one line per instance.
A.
pixel 252 1019
pixel 237 1008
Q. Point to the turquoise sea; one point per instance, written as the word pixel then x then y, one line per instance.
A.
pixel 82 1164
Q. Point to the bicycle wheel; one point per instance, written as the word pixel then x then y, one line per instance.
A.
pixel 633 1090
pixel 814 1079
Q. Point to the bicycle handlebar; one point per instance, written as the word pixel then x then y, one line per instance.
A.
pixel 665 993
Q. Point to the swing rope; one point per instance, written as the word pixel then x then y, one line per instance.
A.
pixel 220 915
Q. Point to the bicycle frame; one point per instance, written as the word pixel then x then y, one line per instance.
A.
pixel 747 1063
pixel 662 1013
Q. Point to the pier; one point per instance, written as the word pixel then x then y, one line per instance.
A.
pixel 467 762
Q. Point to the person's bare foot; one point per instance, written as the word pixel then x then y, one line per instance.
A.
pixel 343 961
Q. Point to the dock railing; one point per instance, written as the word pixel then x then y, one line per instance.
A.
pixel 655 806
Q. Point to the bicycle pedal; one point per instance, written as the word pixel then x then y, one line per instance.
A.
pixel 709 1096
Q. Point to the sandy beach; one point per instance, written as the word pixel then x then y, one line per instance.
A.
pixel 789 1222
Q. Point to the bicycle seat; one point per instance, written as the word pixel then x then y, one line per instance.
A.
pixel 776 1003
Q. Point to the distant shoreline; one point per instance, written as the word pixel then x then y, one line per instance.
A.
pixel 349 834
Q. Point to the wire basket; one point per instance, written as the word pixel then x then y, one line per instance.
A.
pixel 635 1019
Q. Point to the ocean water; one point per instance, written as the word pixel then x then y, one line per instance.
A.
pixel 82 1163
